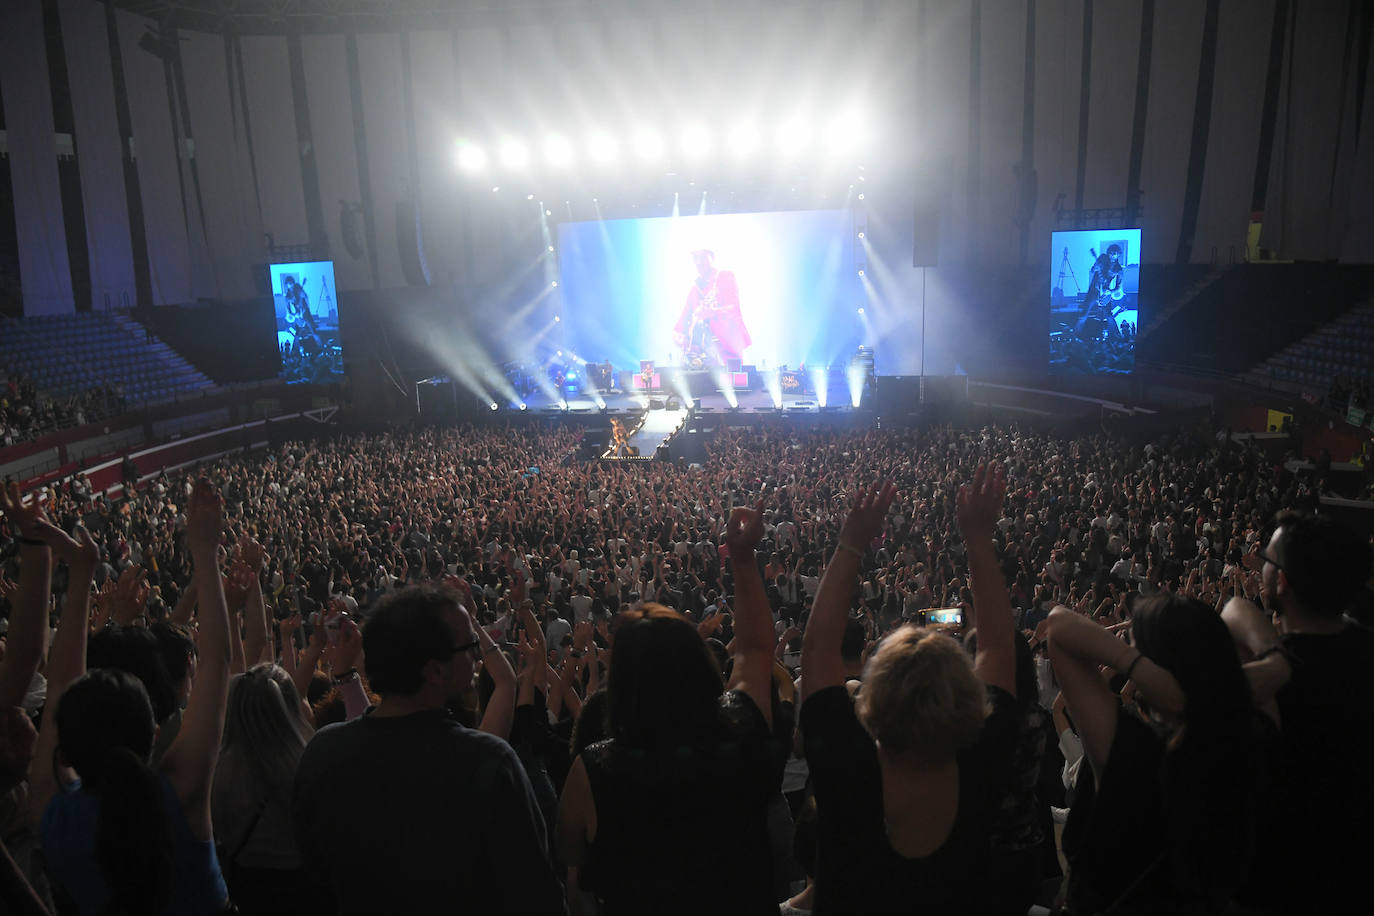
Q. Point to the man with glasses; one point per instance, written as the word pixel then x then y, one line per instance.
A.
pixel 405 810
pixel 1315 674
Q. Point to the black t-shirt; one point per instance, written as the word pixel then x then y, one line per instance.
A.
pixel 1325 801
pixel 686 831
pixel 857 870
pixel 417 814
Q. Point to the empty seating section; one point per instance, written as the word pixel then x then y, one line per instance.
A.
pixel 1342 349
pixel 1254 311
pixel 70 354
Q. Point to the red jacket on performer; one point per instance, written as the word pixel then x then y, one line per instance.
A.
pixel 718 302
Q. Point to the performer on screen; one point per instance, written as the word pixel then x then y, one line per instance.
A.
pixel 1106 287
pixel 710 329
pixel 298 317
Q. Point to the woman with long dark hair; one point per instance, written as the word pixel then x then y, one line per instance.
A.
pixel 118 835
pixel 669 814
pixel 1163 818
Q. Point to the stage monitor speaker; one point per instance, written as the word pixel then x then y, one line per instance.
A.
pixel 655 403
pixel 897 395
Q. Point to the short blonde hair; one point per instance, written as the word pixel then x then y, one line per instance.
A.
pixel 920 694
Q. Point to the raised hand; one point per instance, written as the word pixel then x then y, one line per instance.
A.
pixel 980 502
pixel 289 626
pixel 745 528
pixel 79 551
pixel 204 517
pixel 866 516
pixel 251 554
pixel 130 596
pixel 24 515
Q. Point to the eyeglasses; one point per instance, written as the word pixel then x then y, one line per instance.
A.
pixel 1263 554
pixel 470 648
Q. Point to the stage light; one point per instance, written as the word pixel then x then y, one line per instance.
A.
pixel 557 151
pixel 471 157
pixel 514 154
pixel 846 134
pixel 603 148
pixel 557 319
pixel 744 140
pixel 861 311
pixel 600 404
pixel 861 235
pixel 550 249
pixel 492 405
pixel 648 144
pixel 529 197
pixel 495 188
pixel 696 142
pixel 524 406
pixel 861 197
pixel 548 213
pixel 554 283
pixel 861 273
pixel 792 136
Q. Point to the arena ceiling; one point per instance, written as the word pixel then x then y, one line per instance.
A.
pixel 259 17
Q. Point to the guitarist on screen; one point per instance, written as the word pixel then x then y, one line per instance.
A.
pixel 710 329
pixel 1106 286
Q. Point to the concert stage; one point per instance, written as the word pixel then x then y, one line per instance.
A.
pixel 618 401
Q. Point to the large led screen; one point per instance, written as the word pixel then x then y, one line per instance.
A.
pixel 304 297
pixel 1094 300
pixel 764 289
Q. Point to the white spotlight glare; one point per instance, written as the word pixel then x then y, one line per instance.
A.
pixel 861 311
pixel 524 406
pixel 558 151
pixel 603 148
pixel 493 406
pixel 845 134
pixel 861 273
pixel 861 235
pixel 471 157
pixel 554 283
pixel 696 142
pixel 648 144
pixel 792 137
pixel 515 155
pixel 744 139
pixel 550 249
pixel 557 319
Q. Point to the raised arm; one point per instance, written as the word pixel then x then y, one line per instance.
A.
pixel 822 664
pixel 28 619
pixel 753 668
pixel 190 761
pixel 1078 646
pixel 1267 668
pixel 67 660
pixel 979 507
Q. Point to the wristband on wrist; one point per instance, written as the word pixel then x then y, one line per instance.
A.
pixel 1131 667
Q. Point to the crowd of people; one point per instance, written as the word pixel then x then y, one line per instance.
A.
pixel 948 670
pixel 26 413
